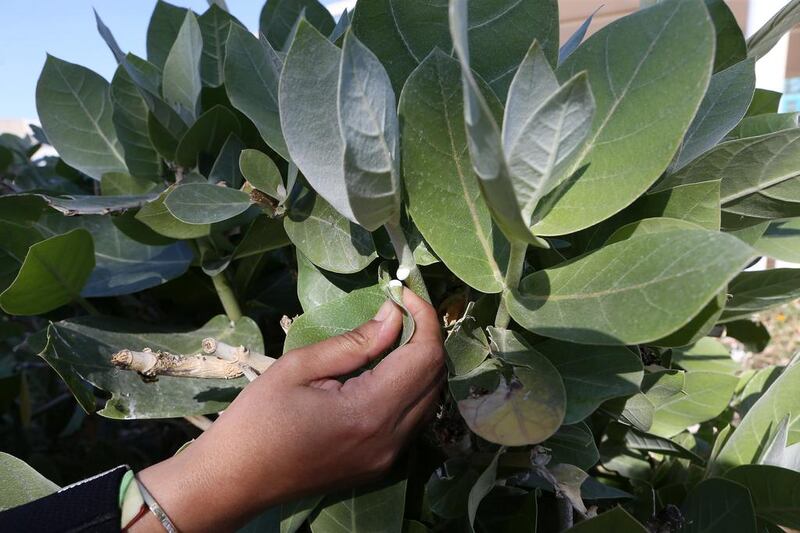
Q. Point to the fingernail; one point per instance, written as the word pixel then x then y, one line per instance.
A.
pixel 384 312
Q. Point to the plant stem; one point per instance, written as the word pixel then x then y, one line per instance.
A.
pixel 516 262
pixel 227 297
pixel 408 270
pixel 87 306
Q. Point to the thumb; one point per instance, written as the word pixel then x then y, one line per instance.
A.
pixel 349 351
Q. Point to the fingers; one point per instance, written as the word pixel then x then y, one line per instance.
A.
pixel 422 411
pixel 344 353
pixel 427 322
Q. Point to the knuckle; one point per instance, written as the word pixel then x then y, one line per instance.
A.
pixel 353 340
pixel 291 362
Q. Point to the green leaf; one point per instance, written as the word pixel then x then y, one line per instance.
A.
pixel 122 265
pixel 130 122
pixel 371 135
pixel 466 345
pixel 262 173
pixel 334 318
pixel 204 203
pixel 752 292
pixel 215 24
pixel 753 335
pixel 635 439
pixel 309 118
pixel 226 167
pixel 80 350
pixel 718 506
pixel 616 520
pixel 482 487
pixel 571 44
pixel 544 128
pixel 444 198
pixel 506 510
pixel 484 138
pixel 592 374
pixel 731 46
pixel 181 80
pixel 590 300
pixel 764 101
pixel 448 488
pixel 53 274
pixel 74 106
pixel 263 235
pixel 781 241
pixel 636 411
pixel 207 135
pixel 762 41
pixel 649 226
pixel 317 287
pixel 21 483
pixel 775 492
pixel 365 510
pixel 96 205
pixel 699 396
pixel 157 217
pixel 278 18
pixel 707 355
pixel 744 166
pixel 402 34
pixel 525 408
pixel 252 72
pixel 764 124
pixel 165 23
pixel 574 445
pixel 668 54
pixel 726 101
pixel 780 452
pixel 326 238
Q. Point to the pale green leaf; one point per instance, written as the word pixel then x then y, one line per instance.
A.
pixel 574 445
pixel 731 46
pixel 371 135
pixel 376 509
pixel 262 173
pixel 326 238
pixel 21 483
pixel 317 287
pixel 764 124
pixel 157 217
pixel 726 101
pixel 252 72
pixel 663 279
pixel 207 135
pixel 781 241
pixel 204 203
pixel 707 355
pixel 75 108
pixel 466 346
pixel 592 374
pixel 662 54
pixel 215 24
pixel 444 197
pixel 482 487
pixel 278 18
pixel 165 23
pixel 181 79
pixel 53 274
pixel 759 290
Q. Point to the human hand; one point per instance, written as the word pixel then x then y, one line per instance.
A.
pixel 297 430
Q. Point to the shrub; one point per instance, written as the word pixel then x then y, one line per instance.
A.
pixel 581 217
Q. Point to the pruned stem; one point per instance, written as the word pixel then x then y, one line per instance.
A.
pixel 516 263
pixel 216 360
pixel 199 421
pixel 408 270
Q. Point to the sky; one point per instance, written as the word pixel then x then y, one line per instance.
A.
pixel 29 29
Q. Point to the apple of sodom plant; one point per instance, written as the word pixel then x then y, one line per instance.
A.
pixel 581 217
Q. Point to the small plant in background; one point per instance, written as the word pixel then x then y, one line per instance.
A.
pixel 580 216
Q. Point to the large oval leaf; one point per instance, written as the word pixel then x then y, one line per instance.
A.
pixel 21 483
pixel 363 510
pixel 157 217
pixel 326 238
pixel 204 203
pixel 53 274
pixel 444 198
pixel 662 54
pixel 523 409
pixel 252 72
pixel 662 279
pixel 403 32
pixel 74 106
pixel 592 374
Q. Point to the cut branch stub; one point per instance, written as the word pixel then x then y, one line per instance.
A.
pixel 216 360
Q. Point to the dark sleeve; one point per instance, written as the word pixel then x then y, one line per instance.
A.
pixel 89 505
